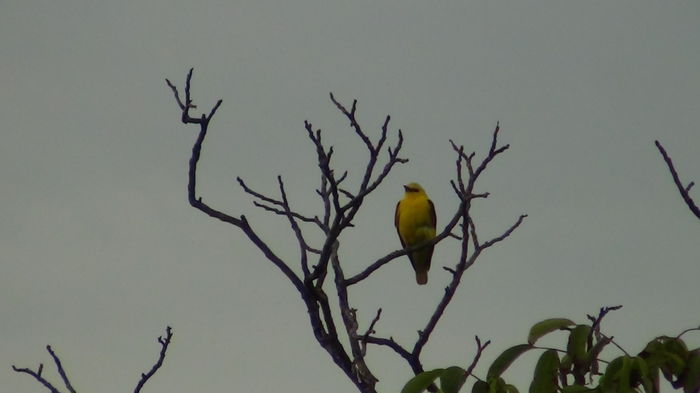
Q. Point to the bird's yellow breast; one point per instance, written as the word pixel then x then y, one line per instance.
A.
pixel 415 221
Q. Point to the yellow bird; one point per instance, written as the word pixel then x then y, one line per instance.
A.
pixel 415 221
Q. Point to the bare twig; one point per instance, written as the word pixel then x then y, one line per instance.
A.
pixel 164 343
pixel 303 247
pixel 611 339
pixel 349 315
pixel 37 375
pixel 479 349
pixel 285 211
pixel 197 202
pixel 506 233
pixel 683 190
pixel 595 326
pixel 370 329
pixel 353 122
pixel 60 369
pixel 389 342
pixel 681 334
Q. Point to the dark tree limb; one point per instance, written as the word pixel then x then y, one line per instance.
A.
pixel 349 316
pixel 197 203
pixel 164 343
pixel 682 189
pixel 312 294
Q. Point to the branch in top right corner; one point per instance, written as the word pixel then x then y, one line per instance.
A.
pixel 684 190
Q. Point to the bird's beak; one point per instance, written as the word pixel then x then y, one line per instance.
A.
pixel 405 187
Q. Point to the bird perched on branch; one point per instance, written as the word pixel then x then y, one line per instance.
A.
pixel 415 221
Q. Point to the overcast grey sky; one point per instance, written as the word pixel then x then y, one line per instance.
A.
pixel 100 250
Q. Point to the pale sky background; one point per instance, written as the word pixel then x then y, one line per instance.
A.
pixel 100 250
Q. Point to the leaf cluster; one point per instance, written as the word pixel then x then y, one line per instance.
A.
pixel 577 367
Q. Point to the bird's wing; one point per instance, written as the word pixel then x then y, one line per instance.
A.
pixel 396 224
pixel 433 218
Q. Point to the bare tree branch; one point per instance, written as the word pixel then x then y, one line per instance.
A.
pixel 340 206
pixel 479 349
pixel 344 213
pixel 60 369
pixel 370 330
pixel 164 343
pixel 315 299
pixel 37 375
pixel 349 316
pixel 505 234
pixel 595 326
pixel 197 202
pixel 683 190
pixel 389 342
pixel 681 334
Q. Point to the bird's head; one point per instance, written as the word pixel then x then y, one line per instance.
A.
pixel 414 189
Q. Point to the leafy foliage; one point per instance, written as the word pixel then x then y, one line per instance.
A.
pixel 577 368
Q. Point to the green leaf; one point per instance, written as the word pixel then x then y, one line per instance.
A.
pixel 669 354
pixel 598 347
pixel 566 362
pixel 498 385
pixel 546 371
pixel 504 360
pixel 691 374
pixel 421 381
pixel 511 389
pixel 676 346
pixel 547 326
pixel 480 387
pixel 452 379
pixel 641 374
pixel 577 389
pixel 617 377
pixel 576 347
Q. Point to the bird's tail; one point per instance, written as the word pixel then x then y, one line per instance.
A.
pixel 422 277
